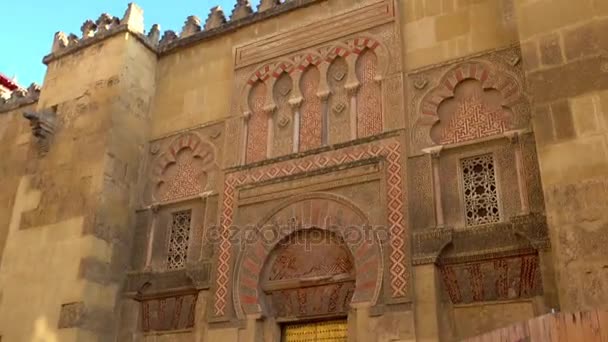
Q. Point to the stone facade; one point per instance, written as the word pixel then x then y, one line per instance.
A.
pixel 416 170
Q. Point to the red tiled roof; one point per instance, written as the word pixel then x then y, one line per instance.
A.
pixel 7 82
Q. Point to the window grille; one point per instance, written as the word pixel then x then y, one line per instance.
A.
pixel 480 193
pixel 178 240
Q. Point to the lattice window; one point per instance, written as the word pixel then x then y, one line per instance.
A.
pixel 480 193
pixel 178 241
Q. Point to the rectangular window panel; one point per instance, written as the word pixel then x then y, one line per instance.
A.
pixel 178 241
pixel 480 193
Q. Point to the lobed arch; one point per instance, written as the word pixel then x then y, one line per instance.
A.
pixel 201 150
pixel 322 211
pixel 319 57
pixel 489 77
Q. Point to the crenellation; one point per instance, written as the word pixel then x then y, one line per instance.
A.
pixel 268 4
pixel 60 41
pixel 192 25
pixel 215 19
pixel 105 22
pixel 154 34
pixel 88 29
pixel 20 97
pixel 168 37
pixel 134 18
pixel 242 9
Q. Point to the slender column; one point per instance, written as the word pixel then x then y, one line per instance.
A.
pixel 324 97
pixel 434 153
pixel 295 104
pixel 269 110
pixel 514 138
pixel 246 117
pixel 351 90
pixel 149 248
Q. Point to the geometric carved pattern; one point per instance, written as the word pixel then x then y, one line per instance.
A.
pixel 319 218
pixel 257 124
pixel 470 116
pixel 316 57
pixel 310 254
pixel 279 73
pixel 480 193
pixel 283 117
pixel 389 149
pixel 182 170
pixel 311 121
pixel 168 313
pixel 178 241
pixel 338 103
pixel 470 100
pixel 489 280
pixel 369 102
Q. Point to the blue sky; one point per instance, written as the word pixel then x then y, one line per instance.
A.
pixel 27 27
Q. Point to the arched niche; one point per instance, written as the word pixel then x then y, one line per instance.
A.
pixel 352 271
pixel 186 168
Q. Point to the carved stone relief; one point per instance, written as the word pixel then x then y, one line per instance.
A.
pixel 183 166
pixel 338 102
pixel 497 279
pixel 313 85
pixel 369 100
pixel 316 256
pixel 320 240
pixel 257 124
pixel 311 119
pixel 168 313
pixel 282 119
pixel 467 100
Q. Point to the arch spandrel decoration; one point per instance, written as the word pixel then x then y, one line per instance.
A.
pixel 186 168
pixel 351 50
pixel 470 101
pixel 352 272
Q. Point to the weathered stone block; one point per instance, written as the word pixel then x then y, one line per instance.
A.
pixel 452 25
pixel 562 120
pixel 550 49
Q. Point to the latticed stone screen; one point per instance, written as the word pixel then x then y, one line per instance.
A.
pixel 178 242
pixel 480 193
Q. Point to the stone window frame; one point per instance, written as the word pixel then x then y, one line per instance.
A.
pixel 159 233
pixel 461 188
pixel 170 231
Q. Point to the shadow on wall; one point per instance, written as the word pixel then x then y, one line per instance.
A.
pixel 42 332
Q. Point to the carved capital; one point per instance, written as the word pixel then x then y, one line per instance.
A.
pixel 323 95
pixel 352 88
pixel 295 102
pixel 269 109
pixel 247 115
pixel 434 151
